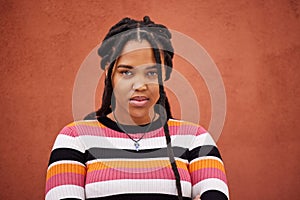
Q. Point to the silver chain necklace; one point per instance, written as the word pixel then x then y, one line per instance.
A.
pixel 136 142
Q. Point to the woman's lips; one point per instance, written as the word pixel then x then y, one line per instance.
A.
pixel 139 101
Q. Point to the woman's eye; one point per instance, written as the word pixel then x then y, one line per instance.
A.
pixel 152 73
pixel 126 73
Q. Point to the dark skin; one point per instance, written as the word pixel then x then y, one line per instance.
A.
pixel 135 84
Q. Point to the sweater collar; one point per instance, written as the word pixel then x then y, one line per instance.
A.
pixel 156 124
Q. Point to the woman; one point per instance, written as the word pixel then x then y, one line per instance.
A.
pixel 132 148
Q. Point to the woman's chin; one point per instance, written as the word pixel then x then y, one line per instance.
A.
pixel 138 115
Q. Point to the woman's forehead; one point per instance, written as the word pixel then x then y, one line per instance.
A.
pixel 135 45
pixel 136 53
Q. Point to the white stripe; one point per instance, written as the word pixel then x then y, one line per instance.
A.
pixel 210 184
pixel 125 159
pixel 176 120
pixel 65 162
pixel 134 160
pixel 88 120
pixel 107 188
pixel 182 160
pixel 65 141
pixel 65 191
pixel 203 139
pixel 182 121
pixel 207 157
pixel 90 141
pixel 184 141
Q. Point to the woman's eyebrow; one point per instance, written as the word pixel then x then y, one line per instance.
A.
pixel 131 67
pixel 152 67
pixel 125 66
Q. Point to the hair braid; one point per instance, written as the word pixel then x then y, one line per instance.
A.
pixel 165 118
pixel 108 102
pixel 107 94
pixel 169 145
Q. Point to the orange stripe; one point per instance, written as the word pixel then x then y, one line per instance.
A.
pixel 65 168
pixel 179 123
pixel 206 163
pixel 133 164
pixel 86 123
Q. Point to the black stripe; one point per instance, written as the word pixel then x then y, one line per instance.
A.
pixel 70 199
pixel 66 154
pixel 207 150
pixel 139 197
pixel 213 194
pixel 106 153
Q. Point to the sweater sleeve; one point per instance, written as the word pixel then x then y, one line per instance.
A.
pixel 66 170
pixel 207 169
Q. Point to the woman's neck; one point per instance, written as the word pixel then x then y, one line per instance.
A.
pixel 127 119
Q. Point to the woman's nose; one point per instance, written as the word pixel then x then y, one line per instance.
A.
pixel 139 84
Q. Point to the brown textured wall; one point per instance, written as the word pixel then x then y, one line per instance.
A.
pixel 254 43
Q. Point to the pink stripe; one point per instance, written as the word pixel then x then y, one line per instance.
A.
pixel 138 170
pixel 80 130
pixel 65 179
pixel 200 130
pixel 129 173
pixel 205 173
pixel 68 131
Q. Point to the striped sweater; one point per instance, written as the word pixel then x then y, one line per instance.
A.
pixel 96 159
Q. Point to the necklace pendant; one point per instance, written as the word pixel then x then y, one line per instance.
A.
pixel 137 145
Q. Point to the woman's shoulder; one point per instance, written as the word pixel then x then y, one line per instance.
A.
pixel 76 128
pixel 186 126
pixel 180 122
pixel 82 123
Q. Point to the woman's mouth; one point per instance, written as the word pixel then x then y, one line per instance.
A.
pixel 138 101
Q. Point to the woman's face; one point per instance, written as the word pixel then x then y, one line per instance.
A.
pixel 135 83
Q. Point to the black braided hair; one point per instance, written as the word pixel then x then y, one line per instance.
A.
pixel 159 38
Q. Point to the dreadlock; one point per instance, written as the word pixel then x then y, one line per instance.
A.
pixel 159 38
